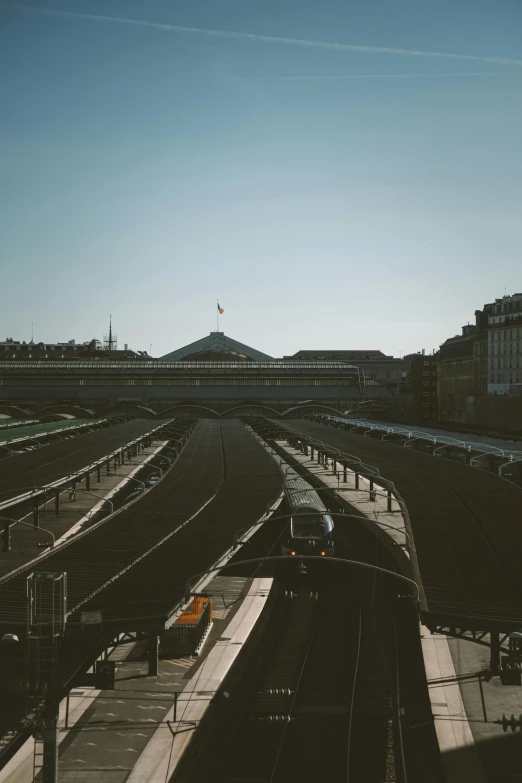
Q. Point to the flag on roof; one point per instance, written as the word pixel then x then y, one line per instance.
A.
pixel 220 309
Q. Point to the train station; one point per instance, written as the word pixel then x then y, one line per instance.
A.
pixel 261 392
pixel 216 376
pixel 158 559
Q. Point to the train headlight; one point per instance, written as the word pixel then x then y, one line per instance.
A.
pixel 323 553
pixel 293 553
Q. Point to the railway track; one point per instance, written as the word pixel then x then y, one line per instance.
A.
pixel 331 691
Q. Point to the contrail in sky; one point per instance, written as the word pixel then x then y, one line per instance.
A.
pixel 339 47
pixel 426 243
pixel 350 76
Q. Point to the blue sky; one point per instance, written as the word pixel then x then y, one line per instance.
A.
pixel 146 171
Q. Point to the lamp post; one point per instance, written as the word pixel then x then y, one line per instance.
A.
pixel 7 531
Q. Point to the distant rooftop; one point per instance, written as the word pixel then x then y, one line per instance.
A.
pixel 216 347
pixel 347 355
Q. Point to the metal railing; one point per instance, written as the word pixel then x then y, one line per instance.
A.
pixel 77 475
pixel 412 434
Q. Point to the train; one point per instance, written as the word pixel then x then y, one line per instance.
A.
pixel 311 528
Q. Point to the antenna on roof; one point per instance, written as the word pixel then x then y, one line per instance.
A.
pixel 110 341
pixel 32 332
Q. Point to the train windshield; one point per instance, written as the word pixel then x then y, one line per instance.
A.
pixel 308 527
pixel 327 524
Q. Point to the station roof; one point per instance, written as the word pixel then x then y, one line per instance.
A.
pixel 344 355
pixel 189 365
pixel 219 343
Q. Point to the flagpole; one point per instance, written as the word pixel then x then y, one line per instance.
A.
pixel 217 315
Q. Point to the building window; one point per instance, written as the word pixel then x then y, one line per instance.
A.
pixel 425 383
pixel 425 373
pixel 425 394
pixel 425 405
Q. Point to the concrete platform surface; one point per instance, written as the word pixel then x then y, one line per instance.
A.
pixel 123 735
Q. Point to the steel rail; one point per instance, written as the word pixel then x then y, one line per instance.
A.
pixel 354 687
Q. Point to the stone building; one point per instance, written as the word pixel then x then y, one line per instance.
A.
pixel 504 344
pixel 374 365
pixel 460 372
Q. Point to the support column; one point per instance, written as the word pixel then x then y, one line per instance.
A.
pixel 87 481
pixel 98 474
pixel 57 502
pixel 356 481
pixel 494 663
pixel 345 477
pixel 153 654
pixel 7 536
pixel 36 514
pixel 108 467
pixel 50 751
pixel 312 453
pixel 389 500
pixel 371 484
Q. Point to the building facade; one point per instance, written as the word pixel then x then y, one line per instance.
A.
pixel 504 344
pixel 419 388
pixel 484 361
pixel 13 350
pixel 460 373
pixel 375 365
pixel 213 376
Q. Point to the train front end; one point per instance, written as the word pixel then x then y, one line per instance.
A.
pixel 310 533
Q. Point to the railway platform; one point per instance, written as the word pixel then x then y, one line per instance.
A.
pixel 467 709
pixel 132 734
pixel 77 511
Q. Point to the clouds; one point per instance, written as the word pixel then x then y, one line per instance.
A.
pixel 297 42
